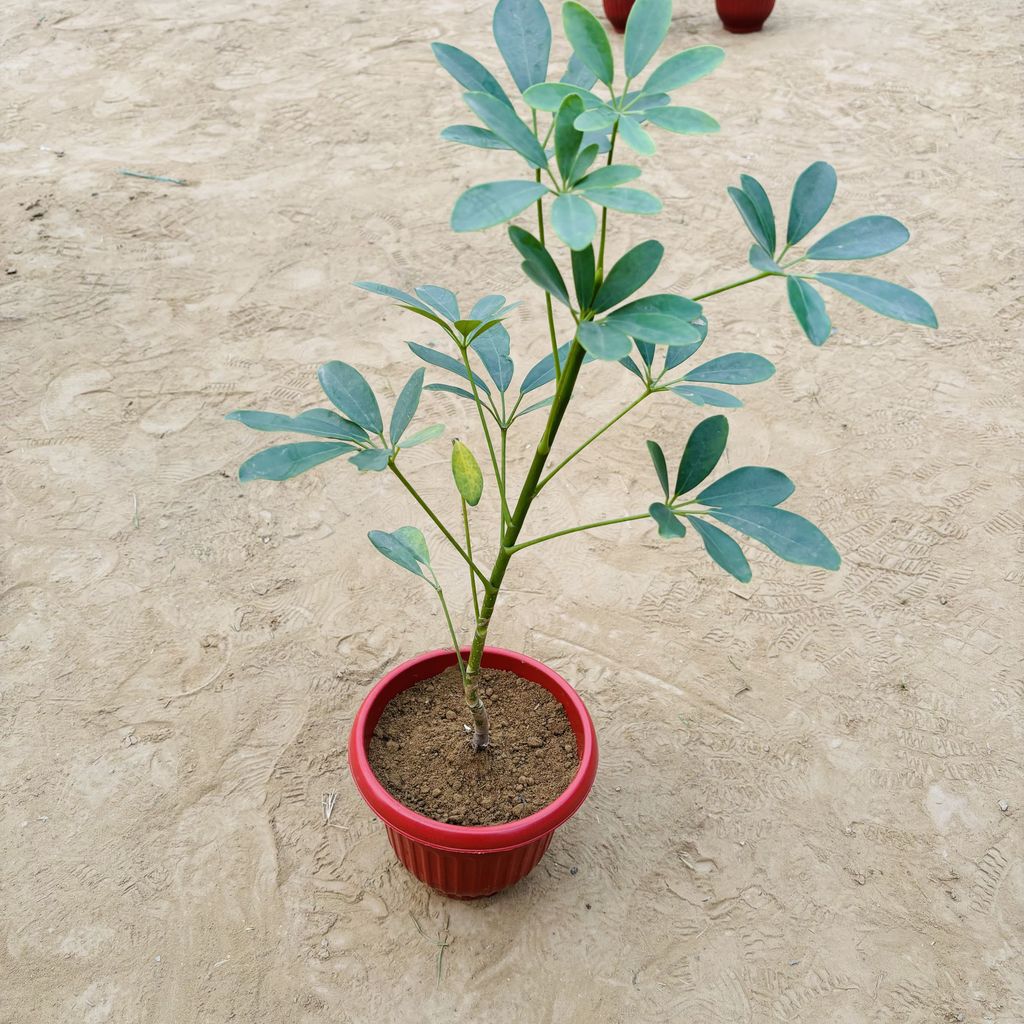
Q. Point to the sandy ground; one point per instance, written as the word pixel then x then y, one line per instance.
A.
pixel 798 812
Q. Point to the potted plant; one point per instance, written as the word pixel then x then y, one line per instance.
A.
pixel 742 16
pixel 473 755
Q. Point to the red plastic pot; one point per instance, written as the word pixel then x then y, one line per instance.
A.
pixel 459 860
pixel 741 16
pixel 617 12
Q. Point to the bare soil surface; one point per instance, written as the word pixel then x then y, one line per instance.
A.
pixel 420 754
pixel 810 801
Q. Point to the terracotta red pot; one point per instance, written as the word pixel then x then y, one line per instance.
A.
pixel 459 860
pixel 744 15
pixel 617 11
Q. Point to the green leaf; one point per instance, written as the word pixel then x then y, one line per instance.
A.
pixel 860 239
pixel 647 351
pixel 646 29
pixel 346 387
pixel 550 95
pixel 703 450
pixel 596 119
pixel 604 341
pixel 760 260
pixel 441 299
pixel 373 461
pixel 486 307
pixel 668 525
pixel 468 71
pixel 883 297
pixel 507 125
pixel 635 137
pixel 287 460
pixel 316 422
pixel 627 362
pixel 493 348
pixel 387 291
pixel 583 275
pixel 762 207
pixel 473 135
pixel 466 471
pixel 538 265
pixel 627 200
pixel 748 485
pixel 790 536
pixel 466 327
pixel 567 137
pixel 640 102
pixel 446 362
pixel 749 214
pixel 406 406
pixel 631 271
pixel 451 389
pixel 608 177
pixel 654 327
pixel 722 549
pixel 676 354
pixel 390 545
pixel 577 73
pixel 574 221
pixel 588 40
pixel 415 541
pixel 523 34
pixel 586 156
pixel 660 465
pixel 812 196
pixel 676 306
pixel 683 120
pixel 424 435
pixel 542 404
pixel 809 309
pixel 684 68
pixel 543 372
pixel 707 396
pixel 483 206
pixel 734 368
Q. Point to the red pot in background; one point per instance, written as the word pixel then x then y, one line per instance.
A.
pixel 617 11
pixel 744 15
pixel 468 861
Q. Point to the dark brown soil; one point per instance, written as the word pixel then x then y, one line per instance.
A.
pixel 420 751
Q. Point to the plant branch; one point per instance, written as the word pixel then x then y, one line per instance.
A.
pixel 735 284
pixel 590 440
pixel 464 351
pixel 547 295
pixel 599 272
pixel 437 522
pixel 469 551
pixel 579 529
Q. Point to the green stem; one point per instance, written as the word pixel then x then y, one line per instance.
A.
pixel 451 627
pixel 464 351
pixel 599 272
pixel 437 522
pixel 735 284
pixel 469 551
pixel 547 295
pixel 590 440
pixel 579 529
pixel 563 393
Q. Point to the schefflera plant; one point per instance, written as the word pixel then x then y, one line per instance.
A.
pixel 569 135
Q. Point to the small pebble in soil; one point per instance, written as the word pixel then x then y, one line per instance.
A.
pixel 450 715
pixel 534 741
pixel 574 870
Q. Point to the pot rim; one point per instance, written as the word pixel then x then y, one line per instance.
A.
pixel 472 838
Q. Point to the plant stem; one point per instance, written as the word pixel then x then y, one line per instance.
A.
pixel 469 551
pixel 578 529
pixel 437 522
pixel 563 393
pixel 547 295
pixel 599 271
pixel 729 287
pixel 464 351
pixel 590 440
